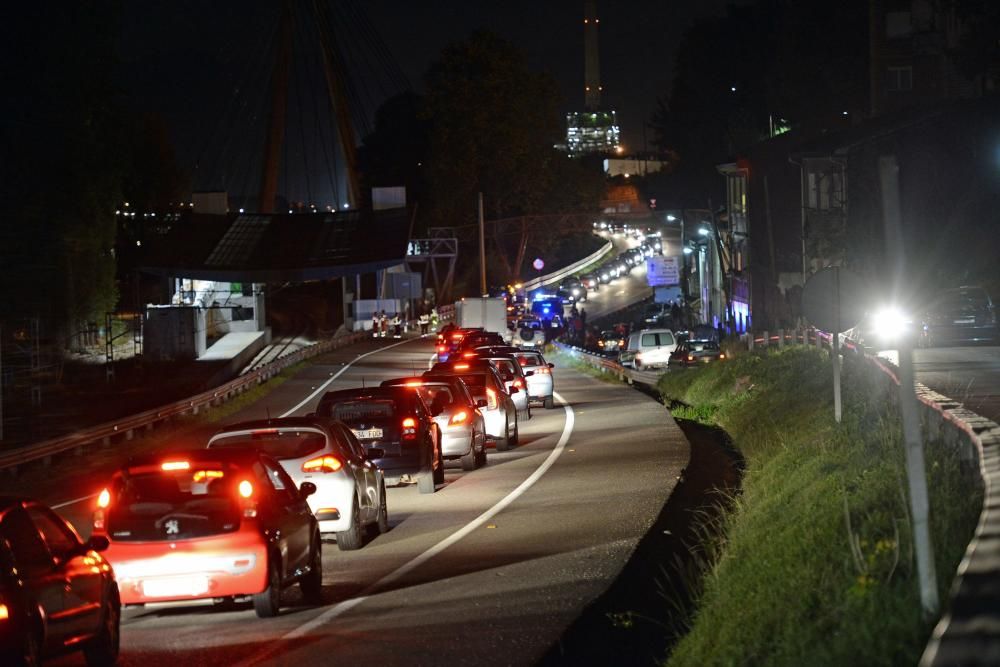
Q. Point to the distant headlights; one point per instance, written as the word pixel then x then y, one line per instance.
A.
pixel 890 323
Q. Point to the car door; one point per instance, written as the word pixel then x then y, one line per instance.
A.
pixel 290 515
pixel 43 580
pixel 365 473
pixel 83 580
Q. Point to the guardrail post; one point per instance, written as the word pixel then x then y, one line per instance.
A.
pixel 750 342
pixel 766 340
pixel 781 338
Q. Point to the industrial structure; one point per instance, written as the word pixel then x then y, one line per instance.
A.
pixel 594 130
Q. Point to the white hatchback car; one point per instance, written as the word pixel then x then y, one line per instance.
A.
pixel 350 489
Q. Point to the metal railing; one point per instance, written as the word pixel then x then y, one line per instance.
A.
pixel 541 281
pixel 126 427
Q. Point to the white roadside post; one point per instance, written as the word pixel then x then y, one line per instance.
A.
pixel 909 412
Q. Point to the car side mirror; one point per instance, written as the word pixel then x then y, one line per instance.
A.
pixel 375 453
pixel 528 374
pixel 306 489
pixel 514 390
pixel 481 403
pixel 551 365
pixel 97 543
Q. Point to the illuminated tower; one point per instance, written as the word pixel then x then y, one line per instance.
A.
pixel 591 57
pixel 594 130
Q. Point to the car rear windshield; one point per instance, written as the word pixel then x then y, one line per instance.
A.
pixel 279 443
pixel 703 346
pixel 529 360
pixel 474 380
pixel 437 397
pixel 355 410
pixel 651 339
pixel 184 504
pixel 506 367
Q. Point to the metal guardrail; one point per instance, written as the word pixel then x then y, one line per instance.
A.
pixel 127 426
pixel 606 365
pixel 541 281
pixel 968 633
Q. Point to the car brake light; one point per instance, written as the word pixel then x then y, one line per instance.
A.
pixel 469 355
pixel 4 612
pixel 543 370
pixel 414 383
pixel 690 357
pixel 491 399
pixel 722 356
pixel 461 367
pixel 325 463
pixel 459 417
pixel 409 428
pixel 600 343
pixel 457 336
pixel 518 383
pixel 442 348
pixel 247 502
pixel 104 499
pixel 175 465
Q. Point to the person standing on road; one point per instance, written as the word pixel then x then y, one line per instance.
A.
pixel 383 322
pixel 375 324
pixel 425 322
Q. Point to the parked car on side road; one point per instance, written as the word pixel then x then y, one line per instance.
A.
pixel 648 348
pixel 695 352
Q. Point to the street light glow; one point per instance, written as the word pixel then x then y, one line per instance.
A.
pixel 671 218
pixel 704 231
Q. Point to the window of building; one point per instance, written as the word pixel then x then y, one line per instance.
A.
pixel 899 78
pixel 825 190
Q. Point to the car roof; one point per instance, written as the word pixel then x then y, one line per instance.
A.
pixel 276 423
pixel 366 392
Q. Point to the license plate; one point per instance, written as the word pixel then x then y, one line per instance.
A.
pixel 967 320
pixel 174 587
pixel 368 434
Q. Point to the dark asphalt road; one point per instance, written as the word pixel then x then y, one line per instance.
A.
pixel 489 570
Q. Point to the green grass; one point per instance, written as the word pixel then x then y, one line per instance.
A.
pixel 564 359
pixel 786 586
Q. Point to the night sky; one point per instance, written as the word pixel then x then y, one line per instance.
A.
pixel 185 60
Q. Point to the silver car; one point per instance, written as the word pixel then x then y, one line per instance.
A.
pixel 513 377
pixel 492 399
pixel 463 429
pixel 350 489
pixel 538 374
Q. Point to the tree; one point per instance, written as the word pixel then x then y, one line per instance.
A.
pixel 62 164
pixel 494 127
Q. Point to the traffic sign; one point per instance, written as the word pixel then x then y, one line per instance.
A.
pixel 832 299
pixel 662 271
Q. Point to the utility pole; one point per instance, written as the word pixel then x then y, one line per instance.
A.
pixel 482 249
pixel 909 412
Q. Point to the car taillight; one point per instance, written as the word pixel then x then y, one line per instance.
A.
pixel 247 502
pixel 409 428
pixel 459 417
pixel 543 370
pixel 600 343
pixel 690 357
pixel 4 612
pixel 461 367
pixel 722 356
pixel 325 463
pixel 491 399
pixel 103 501
pixel 168 466
pixel 442 348
pixel 518 383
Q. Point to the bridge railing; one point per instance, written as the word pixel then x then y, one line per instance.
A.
pixel 968 633
pixel 559 274
pixel 126 427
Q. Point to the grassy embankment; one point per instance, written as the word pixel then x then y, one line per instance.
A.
pixel 814 564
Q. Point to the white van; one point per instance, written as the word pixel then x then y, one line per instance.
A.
pixel 648 348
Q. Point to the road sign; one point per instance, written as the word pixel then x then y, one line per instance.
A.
pixel 663 271
pixel 832 299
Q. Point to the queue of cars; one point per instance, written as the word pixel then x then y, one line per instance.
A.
pixel 245 516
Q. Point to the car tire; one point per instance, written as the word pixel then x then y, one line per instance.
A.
pixel 103 649
pixel 311 584
pixel 382 523
pixel 353 538
pixel 28 654
pixel 438 470
pixel 637 365
pixel 267 603
pixel 471 460
pixel 503 444
pixel 481 454
pixel 516 438
pixel 549 403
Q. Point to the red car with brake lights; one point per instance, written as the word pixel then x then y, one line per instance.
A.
pixel 210 523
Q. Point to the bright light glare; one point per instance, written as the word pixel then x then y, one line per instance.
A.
pixel 889 322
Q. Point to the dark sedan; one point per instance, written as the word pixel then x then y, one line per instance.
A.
pixel 396 428
pixel 960 315
pixel 57 593
pixel 694 352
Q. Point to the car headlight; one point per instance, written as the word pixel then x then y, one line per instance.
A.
pixel 890 323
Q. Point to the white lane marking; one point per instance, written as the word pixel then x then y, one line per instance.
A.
pixel 309 398
pixel 336 375
pixel 74 501
pixel 346 605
